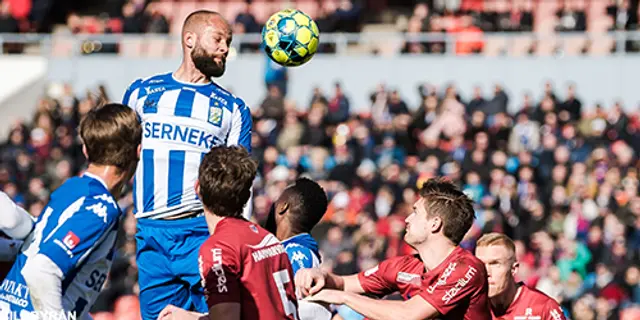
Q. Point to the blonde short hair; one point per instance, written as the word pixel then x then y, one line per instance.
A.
pixel 497 239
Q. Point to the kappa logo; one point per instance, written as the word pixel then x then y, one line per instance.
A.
pixel 298 257
pixel 106 198
pixel 100 210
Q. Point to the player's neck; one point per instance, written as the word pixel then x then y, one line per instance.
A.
pixel 110 175
pixel 501 303
pixel 190 74
pixel 284 232
pixel 434 251
pixel 212 221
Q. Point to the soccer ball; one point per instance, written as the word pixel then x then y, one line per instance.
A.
pixel 290 37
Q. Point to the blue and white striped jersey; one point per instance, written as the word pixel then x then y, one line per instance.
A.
pixel 77 232
pixel 302 250
pixel 181 122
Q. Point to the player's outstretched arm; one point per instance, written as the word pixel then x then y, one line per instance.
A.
pixel 15 222
pixel 311 281
pixel 44 280
pixel 414 308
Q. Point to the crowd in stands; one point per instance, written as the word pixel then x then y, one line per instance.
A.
pixel 558 176
pixel 472 18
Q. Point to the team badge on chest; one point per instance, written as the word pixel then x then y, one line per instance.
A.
pixel 215 114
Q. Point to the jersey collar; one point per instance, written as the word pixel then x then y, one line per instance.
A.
pixel 93 176
pixel 297 235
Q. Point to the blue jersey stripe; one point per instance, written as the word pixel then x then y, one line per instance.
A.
pixel 148 177
pixel 176 177
pixel 150 104
pixel 127 95
pixel 184 106
pixel 245 129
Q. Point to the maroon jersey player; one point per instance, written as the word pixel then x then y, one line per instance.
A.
pixel 442 281
pixel 245 271
pixel 511 300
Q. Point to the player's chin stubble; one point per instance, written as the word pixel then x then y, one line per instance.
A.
pixel 206 64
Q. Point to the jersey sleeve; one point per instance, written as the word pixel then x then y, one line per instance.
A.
pixel 458 283
pixel 552 311
pixel 131 94
pixel 380 280
pixel 300 258
pixel 80 227
pixel 241 126
pixel 219 270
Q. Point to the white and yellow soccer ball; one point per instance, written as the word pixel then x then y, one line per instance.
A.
pixel 290 37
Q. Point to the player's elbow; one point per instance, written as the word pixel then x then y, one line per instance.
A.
pixel 41 274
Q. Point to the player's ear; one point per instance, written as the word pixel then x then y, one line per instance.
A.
pixel 282 207
pixel 139 150
pixel 84 151
pixel 196 186
pixel 436 224
pixel 189 39
pixel 514 268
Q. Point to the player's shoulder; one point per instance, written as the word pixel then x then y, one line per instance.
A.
pixel 235 231
pixel 466 259
pixel 298 253
pixel 85 194
pixel 228 99
pixel 538 297
pixel 407 263
pixel 156 79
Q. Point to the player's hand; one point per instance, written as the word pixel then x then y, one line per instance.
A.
pixel 309 281
pixel 172 312
pixel 328 296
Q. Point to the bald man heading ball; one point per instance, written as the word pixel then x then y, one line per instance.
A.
pixel 184 114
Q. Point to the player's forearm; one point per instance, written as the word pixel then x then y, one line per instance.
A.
pixel 345 283
pixel 378 309
pixel 44 280
pixel 15 221
pixel 333 281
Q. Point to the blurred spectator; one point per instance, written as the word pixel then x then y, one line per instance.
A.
pixel 338 106
pixel 565 188
pixel 130 19
pixel 156 22
pixel 8 24
pixel 247 20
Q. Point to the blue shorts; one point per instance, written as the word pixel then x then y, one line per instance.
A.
pixel 167 258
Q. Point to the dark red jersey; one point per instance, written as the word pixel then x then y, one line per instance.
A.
pixel 531 304
pixel 243 263
pixel 457 288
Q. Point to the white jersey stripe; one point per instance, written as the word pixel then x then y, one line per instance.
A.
pixel 180 121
